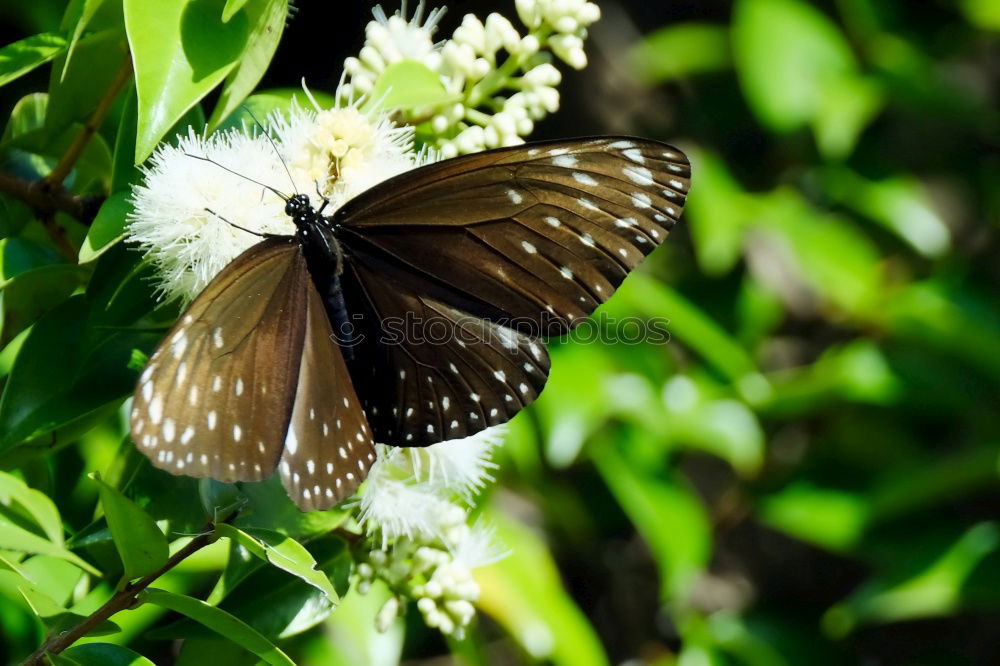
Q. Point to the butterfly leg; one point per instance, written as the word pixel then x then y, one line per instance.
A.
pixel 320 195
pixel 249 231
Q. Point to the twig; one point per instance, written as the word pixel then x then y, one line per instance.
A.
pixel 72 154
pixel 122 600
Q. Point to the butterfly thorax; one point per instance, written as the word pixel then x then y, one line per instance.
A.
pixel 316 236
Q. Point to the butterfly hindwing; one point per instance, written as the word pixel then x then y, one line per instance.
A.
pixel 329 447
pixel 535 236
pixel 429 372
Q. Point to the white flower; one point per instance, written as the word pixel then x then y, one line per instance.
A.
pixel 503 80
pixel 195 196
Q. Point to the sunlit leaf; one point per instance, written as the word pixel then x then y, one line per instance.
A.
pixel 681 50
pixel 405 85
pixel 181 51
pixel 25 55
pixel 107 228
pixel 267 22
pixel 219 621
pixel 282 552
pixel 100 654
pixel 32 503
pixel 140 543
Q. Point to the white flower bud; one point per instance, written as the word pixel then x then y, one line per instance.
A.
pixel 491 137
pixel 433 589
pixel 439 124
pixel 566 24
pixel 505 124
pixel 426 606
pixel 372 58
pixel 448 150
pixel 378 557
pixel 365 570
pixel 462 611
pixel 542 75
pixel 480 68
pixel 387 614
pixel 525 126
pixel 529 45
pixel 548 98
pixel 529 12
pixel 470 140
pixel 500 32
pixel 445 623
pixel 588 13
pixel 471 32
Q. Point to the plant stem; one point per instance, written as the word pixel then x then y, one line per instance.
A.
pixel 72 154
pixel 122 600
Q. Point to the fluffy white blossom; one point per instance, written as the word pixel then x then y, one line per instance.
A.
pixel 195 195
pixel 501 82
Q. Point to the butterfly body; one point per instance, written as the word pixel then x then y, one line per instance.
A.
pixel 415 313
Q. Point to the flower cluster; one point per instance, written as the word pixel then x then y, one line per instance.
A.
pixel 499 82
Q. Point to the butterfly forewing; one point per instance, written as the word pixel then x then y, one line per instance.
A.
pixel 432 372
pixel 214 398
pixel 535 236
pixel 329 445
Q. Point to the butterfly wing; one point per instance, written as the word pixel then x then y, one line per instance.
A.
pixel 250 375
pixel 329 448
pixel 214 398
pixel 507 247
pixel 536 236
pixel 430 372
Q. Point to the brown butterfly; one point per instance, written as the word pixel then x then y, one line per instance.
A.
pixel 307 349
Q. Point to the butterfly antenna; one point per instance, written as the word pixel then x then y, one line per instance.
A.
pixel 283 197
pixel 273 145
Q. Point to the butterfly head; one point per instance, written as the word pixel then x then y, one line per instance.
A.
pixel 300 209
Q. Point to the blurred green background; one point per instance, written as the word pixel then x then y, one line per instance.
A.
pixel 807 473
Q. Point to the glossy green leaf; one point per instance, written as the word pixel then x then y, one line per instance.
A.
pixel 75 93
pixel 282 552
pixel 107 228
pixel 180 51
pixel 52 614
pixel 267 22
pixel 15 538
pixel 79 14
pixel 786 51
pixel 25 55
pixel 681 50
pixel 54 576
pixel 220 622
pixel 828 518
pixel 140 543
pixel 100 654
pixel 36 505
pixel 406 85
pixel 272 602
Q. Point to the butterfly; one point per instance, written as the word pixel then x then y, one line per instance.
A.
pixel 415 313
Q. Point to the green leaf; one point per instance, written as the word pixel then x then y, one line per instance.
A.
pixel 140 543
pixel 123 171
pixel 81 19
pixel 25 55
pixel 272 602
pixel 52 614
pixel 269 507
pixel 524 593
pixel 107 228
pixel 54 576
pixel 100 654
pixel 220 622
pixel 232 6
pixel 932 592
pixel 828 518
pixel 267 22
pixel 32 503
pixel 283 552
pixel 681 50
pixel 75 94
pixel 180 51
pixel 16 538
pixel 405 85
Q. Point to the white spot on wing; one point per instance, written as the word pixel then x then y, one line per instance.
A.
pixel 564 161
pixel 528 247
pixel 584 178
pixel 639 175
